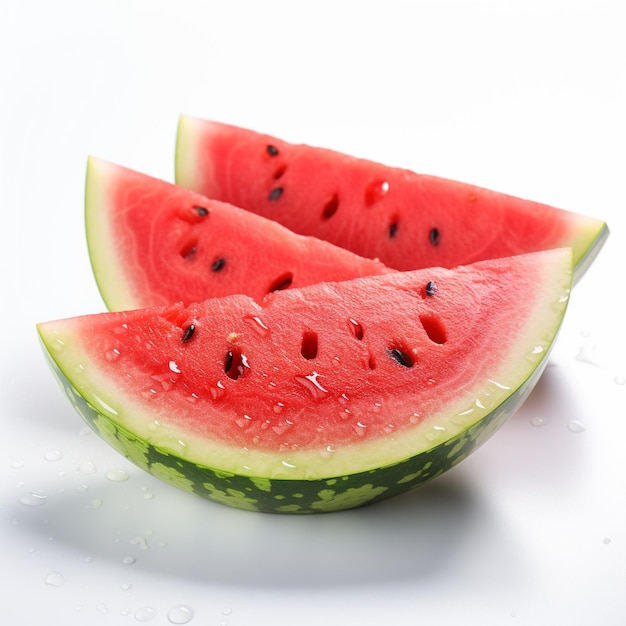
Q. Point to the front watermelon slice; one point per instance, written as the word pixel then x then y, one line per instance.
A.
pixel 406 220
pixel 321 398
pixel 152 243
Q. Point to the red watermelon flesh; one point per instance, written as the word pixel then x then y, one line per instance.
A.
pixel 406 220
pixel 357 370
pixel 153 243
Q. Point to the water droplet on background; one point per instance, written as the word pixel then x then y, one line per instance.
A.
pixel 17 464
pixel 575 427
pixel 87 467
pixel 129 560
pixel 103 609
pixel 620 380
pixel 54 579
pixel 117 475
pixel 145 614
pixel 587 354
pixel 180 614
pixel 140 542
pixel 53 455
pixel 606 541
pixel 538 420
pixel 34 499
pixel 126 586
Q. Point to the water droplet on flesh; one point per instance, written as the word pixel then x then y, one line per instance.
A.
pixel 311 383
pixel 258 325
pixel 180 614
pixel 375 191
pixel 54 579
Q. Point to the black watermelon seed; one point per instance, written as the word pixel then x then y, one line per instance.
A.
pixel 228 361
pixel 234 364
pixel 431 288
pixel 401 357
pixel 201 211
pixel 434 236
pixel 276 193
pixel 393 230
pixel 189 332
pixel 218 264
pixel 272 150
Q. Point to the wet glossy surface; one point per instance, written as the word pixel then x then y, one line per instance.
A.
pixel 528 100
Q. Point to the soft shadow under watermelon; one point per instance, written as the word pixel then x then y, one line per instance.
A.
pixel 433 531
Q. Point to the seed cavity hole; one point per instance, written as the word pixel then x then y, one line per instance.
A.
pixel 434 328
pixel 434 236
pixel 308 346
pixel 356 329
pixel 279 172
pixel 188 251
pixel 282 282
pixel 331 206
pixel 234 363
pixel 271 150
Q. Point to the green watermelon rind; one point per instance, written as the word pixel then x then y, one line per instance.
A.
pixel 299 496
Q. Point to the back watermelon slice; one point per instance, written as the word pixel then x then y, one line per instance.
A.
pixel 318 398
pixel 153 243
pixel 406 220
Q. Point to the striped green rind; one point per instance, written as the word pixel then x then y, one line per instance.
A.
pixel 298 496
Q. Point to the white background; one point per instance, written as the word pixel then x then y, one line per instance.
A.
pixel 523 97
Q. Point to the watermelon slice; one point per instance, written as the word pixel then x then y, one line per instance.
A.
pixel 320 398
pixel 153 243
pixel 406 220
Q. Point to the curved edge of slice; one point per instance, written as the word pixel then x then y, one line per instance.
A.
pixel 593 235
pixel 366 473
pixel 153 243
pixel 103 244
